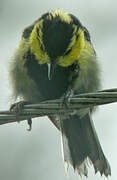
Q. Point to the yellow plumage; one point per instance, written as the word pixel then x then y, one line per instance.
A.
pixel 56 59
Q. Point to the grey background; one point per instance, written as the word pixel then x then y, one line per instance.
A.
pixel 37 154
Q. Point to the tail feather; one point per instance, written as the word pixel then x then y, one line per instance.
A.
pixel 81 144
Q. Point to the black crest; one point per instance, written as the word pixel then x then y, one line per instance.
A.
pixel 56 36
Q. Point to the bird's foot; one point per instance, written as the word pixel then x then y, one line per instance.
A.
pixel 66 98
pixel 17 109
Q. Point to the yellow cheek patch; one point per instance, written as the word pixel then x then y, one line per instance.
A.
pixel 77 48
pixel 36 42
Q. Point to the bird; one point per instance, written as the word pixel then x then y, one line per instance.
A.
pixel 56 59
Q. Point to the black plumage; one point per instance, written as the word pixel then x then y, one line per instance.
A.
pixel 61 32
pixel 29 78
pixel 49 89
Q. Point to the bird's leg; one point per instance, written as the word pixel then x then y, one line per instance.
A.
pixel 17 109
pixel 74 71
pixel 29 121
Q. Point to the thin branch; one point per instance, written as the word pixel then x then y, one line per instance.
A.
pixel 55 106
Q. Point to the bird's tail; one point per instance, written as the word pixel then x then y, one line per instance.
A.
pixel 80 143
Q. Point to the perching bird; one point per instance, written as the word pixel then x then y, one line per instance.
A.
pixel 56 59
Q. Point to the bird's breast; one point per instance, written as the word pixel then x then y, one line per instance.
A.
pixel 49 89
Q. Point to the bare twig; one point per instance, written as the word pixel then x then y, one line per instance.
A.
pixel 54 106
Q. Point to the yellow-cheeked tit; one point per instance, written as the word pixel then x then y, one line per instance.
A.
pixel 55 59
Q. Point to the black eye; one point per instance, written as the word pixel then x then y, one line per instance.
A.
pixel 37 32
pixel 77 37
pixel 67 52
pixel 87 35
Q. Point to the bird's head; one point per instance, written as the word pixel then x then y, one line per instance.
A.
pixel 57 38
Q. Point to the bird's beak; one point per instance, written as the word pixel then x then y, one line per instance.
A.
pixel 51 68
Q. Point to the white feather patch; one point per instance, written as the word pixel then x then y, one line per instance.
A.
pixel 65 153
